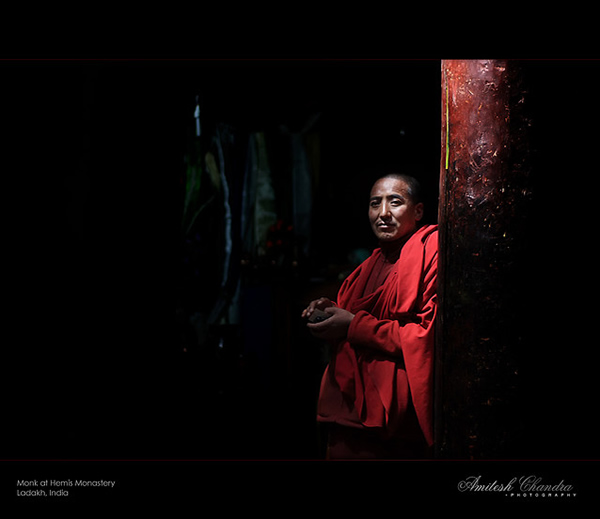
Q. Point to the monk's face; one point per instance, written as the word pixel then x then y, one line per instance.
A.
pixel 392 213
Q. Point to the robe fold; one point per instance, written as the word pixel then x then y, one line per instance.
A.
pixel 381 376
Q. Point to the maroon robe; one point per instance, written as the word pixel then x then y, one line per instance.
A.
pixel 381 377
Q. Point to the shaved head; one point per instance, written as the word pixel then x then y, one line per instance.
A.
pixel 413 186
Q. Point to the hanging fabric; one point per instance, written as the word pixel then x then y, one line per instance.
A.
pixel 193 180
pixel 248 199
pixel 265 215
pixel 302 172
pixel 195 200
pixel 225 136
pixel 258 199
pixel 223 141
pixel 301 191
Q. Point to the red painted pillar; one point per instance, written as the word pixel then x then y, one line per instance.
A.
pixel 484 197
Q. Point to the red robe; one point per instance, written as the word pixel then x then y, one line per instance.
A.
pixel 381 376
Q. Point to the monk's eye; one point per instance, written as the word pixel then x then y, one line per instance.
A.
pixel 374 203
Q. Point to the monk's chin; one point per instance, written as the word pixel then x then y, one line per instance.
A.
pixel 388 236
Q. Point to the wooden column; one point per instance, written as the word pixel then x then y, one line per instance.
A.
pixel 484 197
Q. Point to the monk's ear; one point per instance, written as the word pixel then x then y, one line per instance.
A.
pixel 419 211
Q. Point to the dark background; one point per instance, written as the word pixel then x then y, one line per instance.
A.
pixel 99 360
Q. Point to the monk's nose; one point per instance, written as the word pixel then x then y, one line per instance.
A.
pixel 385 214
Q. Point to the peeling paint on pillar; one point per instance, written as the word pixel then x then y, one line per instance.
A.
pixel 484 195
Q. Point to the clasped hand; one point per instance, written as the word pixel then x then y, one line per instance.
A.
pixel 334 327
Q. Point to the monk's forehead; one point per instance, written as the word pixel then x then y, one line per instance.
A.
pixel 386 186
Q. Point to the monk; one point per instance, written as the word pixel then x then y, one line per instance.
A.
pixel 376 392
